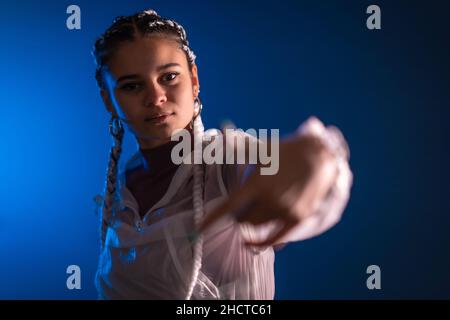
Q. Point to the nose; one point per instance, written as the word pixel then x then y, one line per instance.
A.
pixel 155 95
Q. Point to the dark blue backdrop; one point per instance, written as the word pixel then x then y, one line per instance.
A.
pixel 263 64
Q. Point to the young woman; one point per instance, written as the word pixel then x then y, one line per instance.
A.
pixel 198 231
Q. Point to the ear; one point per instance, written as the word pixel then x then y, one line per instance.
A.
pixel 195 81
pixel 107 101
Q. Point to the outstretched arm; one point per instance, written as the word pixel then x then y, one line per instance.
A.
pixel 306 197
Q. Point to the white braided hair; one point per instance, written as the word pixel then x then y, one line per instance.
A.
pixel 197 196
pixel 110 199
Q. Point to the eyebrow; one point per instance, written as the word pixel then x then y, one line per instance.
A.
pixel 168 65
pixel 159 69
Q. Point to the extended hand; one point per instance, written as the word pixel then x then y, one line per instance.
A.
pixel 307 171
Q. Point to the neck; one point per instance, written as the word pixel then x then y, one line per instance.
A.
pixel 158 157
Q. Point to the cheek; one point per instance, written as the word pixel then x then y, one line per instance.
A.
pixel 185 111
pixel 129 105
pixel 184 101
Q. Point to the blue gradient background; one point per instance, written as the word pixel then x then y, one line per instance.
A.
pixel 263 64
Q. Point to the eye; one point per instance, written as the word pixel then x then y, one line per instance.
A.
pixel 131 86
pixel 170 76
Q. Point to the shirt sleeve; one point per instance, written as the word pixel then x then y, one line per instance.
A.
pixel 332 207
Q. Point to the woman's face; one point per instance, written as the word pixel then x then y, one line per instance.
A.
pixel 149 84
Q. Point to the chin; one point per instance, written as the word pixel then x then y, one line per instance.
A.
pixel 165 133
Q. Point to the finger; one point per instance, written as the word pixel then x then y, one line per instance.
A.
pixel 236 200
pixel 273 239
pixel 226 124
pixel 312 126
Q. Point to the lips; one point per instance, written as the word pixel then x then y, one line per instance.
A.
pixel 158 118
pixel 160 115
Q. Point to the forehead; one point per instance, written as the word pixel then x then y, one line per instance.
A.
pixel 145 54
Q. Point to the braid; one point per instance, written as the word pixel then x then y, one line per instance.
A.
pixel 125 28
pixel 110 197
pixel 198 204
